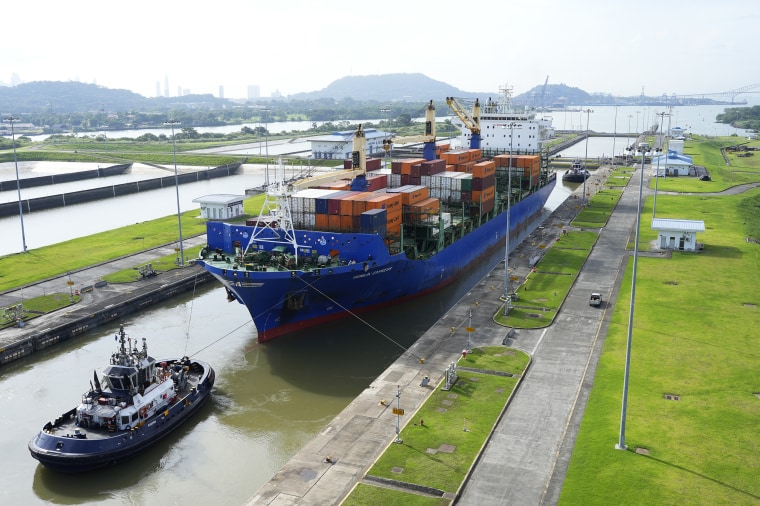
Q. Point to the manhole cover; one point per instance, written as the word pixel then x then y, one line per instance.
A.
pixel 397 470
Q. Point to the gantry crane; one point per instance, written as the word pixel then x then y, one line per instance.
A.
pixel 471 122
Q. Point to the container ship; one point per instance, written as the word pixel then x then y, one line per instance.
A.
pixel 379 237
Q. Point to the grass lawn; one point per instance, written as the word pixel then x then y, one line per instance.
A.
pixel 545 289
pixel 598 210
pixel 694 337
pixel 439 453
pixel 57 259
pixel 364 494
pixel 161 264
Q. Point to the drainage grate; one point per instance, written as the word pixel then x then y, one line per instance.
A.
pixel 672 397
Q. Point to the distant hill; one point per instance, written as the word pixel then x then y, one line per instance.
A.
pixel 387 87
pixel 58 97
pixel 55 97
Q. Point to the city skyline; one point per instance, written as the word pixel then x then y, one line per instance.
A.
pixel 298 46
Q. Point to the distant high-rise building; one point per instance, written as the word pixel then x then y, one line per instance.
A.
pixel 179 90
pixel 166 86
pixel 254 92
pixel 15 79
pixel 158 88
pixel 221 91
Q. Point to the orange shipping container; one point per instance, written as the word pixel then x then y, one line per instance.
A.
pixel 393 230
pixel 414 194
pixel 484 195
pixel 351 204
pixel 321 221
pixel 391 202
pixel 483 169
pixel 455 157
pixel 346 223
pixel 465 167
pixel 475 154
pixel 333 222
pixel 393 219
pixel 428 206
pixel 406 165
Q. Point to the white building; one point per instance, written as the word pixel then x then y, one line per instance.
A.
pixel 672 164
pixel 338 145
pixel 220 206
pixel 677 234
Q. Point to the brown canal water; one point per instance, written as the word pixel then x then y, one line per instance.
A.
pixel 268 401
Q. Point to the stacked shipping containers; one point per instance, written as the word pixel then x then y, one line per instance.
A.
pixel 411 191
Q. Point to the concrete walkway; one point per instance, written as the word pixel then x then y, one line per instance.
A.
pixel 527 457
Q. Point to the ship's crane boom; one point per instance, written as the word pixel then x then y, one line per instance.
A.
pixel 471 122
pixel 428 138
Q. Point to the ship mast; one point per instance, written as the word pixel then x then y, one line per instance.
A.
pixel 275 221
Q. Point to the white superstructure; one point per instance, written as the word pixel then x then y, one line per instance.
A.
pixel 496 116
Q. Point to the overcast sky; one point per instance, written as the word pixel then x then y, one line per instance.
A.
pixel 293 46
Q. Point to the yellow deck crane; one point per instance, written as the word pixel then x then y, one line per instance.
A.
pixel 428 138
pixel 471 122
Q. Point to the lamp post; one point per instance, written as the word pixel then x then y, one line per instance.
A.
pixel 11 120
pixel 657 174
pixel 265 110
pixel 628 137
pixel 176 186
pixel 614 138
pixel 507 298
pixel 621 441
pixel 585 161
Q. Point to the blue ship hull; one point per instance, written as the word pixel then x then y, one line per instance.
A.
pixel 284 301
pixel 57 446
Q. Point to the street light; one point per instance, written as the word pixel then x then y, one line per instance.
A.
pixel 11 120
pixel 614 138
pixel 628 137
pixel 621 442
pixel 507 299
pixel 657 174
pixel 176 185
pixel 585 170
pixel 265 110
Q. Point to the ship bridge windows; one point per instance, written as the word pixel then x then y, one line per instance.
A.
pixel 117 383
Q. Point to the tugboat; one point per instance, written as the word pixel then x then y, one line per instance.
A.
pixel 138 401
pixel 576 173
